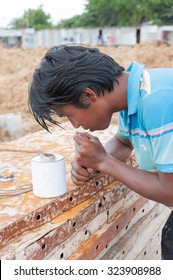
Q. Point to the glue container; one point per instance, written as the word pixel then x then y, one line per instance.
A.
pixel 48 175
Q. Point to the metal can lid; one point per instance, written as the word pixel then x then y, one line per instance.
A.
pixel 47 157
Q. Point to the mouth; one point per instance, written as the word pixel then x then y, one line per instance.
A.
pixel 89 129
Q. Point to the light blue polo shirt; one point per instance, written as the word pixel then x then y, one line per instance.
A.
pixel 148 122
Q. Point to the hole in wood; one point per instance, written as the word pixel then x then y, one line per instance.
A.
pixel 145 253
pixel 117 226
pixel 86 232
pixel 123 252
pixel 143 210
pixel 97 183
pixel 134 209
pixel 62 255
pixel 38 217
pixel 97 247
pixel 43 246
pixel 100 204
pixel 71 198
pixel 74 224
pixel 157 252
pixel 126 227
pixel 106 246
pixel 104 198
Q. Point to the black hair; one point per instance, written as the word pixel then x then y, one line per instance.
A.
pixel 63 75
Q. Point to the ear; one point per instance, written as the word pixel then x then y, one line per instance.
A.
pixel 88 96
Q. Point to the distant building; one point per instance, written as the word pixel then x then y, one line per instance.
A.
pixel 166 34
pixel 10 38
pixel 114 36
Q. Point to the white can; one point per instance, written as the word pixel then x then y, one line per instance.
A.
pixel 48 175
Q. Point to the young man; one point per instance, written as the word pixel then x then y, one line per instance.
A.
pixel 88 87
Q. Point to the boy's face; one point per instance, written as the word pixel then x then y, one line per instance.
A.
pixel 95 117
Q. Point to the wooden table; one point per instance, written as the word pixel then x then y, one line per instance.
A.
pixel 84 223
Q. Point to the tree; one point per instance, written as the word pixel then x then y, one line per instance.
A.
pixel 86 19
pixel 123 13
pixel 167 16
pixel 33 19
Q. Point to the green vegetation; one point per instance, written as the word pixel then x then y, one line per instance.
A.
pixel 33 19
pixel 122 13
pixel 104 13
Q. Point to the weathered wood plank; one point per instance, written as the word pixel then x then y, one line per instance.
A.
pixel 26 212
pixel 69 246
pixel 98 241
pixel 137 236
pixel 67 223
pixel 115 245
pixel 149 235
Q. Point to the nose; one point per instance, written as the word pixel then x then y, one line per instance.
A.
pixel 74 123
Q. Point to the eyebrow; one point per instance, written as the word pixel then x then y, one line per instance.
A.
pixel 63 115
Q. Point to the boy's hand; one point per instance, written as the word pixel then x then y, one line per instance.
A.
pixel 89 151
pixel 80 174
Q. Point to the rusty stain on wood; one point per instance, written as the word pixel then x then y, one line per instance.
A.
pixel 27 212
pixel 33 227
pixel 103 200
pixel 97 242
pixel 49 211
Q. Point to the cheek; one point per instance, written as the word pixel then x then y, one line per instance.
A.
pixel 94 119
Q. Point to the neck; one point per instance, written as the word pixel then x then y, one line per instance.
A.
pixel 120 93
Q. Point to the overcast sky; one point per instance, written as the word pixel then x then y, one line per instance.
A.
pixel 58 9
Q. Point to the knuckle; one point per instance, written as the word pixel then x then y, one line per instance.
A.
pixel 78 157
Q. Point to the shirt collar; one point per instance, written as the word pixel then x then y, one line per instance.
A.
pixel 135 71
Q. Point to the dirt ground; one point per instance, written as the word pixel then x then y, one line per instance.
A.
pixel 17 65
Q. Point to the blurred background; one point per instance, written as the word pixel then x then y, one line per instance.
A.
pixel 126 30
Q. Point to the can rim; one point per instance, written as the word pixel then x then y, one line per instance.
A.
pixel 47 157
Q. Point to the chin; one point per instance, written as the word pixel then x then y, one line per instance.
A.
pixel 99 128
pixel 105 126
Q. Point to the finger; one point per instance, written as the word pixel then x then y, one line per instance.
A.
pixel 77 148
pixel 80 174
pixel 85 135
pixel 78 139
pixel 76 181
pixel 88 136
pixel 90 170
pixel 81 139
pixel 80 170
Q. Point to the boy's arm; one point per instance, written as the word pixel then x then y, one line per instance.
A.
pixel 119 147
pixel 156 186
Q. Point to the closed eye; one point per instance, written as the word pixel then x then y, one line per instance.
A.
pixel 61 116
